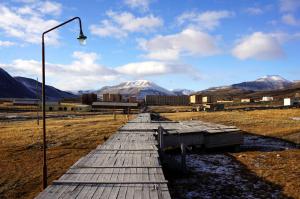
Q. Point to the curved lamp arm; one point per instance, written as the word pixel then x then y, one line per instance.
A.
pixel 81 38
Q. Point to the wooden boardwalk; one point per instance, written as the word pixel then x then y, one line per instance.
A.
pixel 126 166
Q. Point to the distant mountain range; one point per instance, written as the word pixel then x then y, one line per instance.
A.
pixel 270 85
pixel 22 87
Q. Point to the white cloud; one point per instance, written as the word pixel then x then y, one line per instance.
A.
pixel 254 11
pixel 85 73
pixel 27 24
pixel 120 24
pixel 289 5
pixel 142 4
pixel 206 20
pixel 6 43
pixel 187 42
pixel 150 68
pixel 259 46
pixel 289 19
pixel 49 7
pixel 82 73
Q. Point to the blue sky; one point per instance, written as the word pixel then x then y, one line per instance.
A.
pixel 193 44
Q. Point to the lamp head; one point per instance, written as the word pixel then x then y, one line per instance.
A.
pixel 82 38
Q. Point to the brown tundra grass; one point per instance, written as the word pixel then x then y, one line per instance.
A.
pixel 68 140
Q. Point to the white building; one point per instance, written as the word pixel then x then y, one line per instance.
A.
pixel 288 101
pixel 266 99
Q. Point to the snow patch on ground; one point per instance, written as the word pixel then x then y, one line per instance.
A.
pixel 213 163
pixel 265 143
pixel 220 176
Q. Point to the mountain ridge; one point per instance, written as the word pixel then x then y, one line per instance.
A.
pixel 23 87
pixel 138 88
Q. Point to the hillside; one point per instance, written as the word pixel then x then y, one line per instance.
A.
pixel 11 88
pixel 52 93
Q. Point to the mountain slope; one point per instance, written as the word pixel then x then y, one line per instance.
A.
pixel 269 82
pixel 182 91
pixel 139 88
pixel 11 88
pixel 275 86
pixel 51 92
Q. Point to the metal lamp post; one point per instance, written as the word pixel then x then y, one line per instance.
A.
pixel 81 39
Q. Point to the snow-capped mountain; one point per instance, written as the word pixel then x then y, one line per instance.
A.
pixel 269 82
pixel 182 91
pixel 138 88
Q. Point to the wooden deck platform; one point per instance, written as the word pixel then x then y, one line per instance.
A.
pixel 126 166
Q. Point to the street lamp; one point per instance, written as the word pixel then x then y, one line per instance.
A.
pixel 81 39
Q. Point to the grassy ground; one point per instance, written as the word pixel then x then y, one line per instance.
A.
pixel 68 138
pixel 277 167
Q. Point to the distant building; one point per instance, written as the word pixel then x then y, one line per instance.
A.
pixel 105 97
pixel 67 107
pixel 224 101
pixel 213 107
pixel 132 99
pixel 208 99
pixel 114 105
pixel 109 97
pixel 246 100
pixel 195 99
pixel 88 99
pixel 267 99
pixel 25 102
pixel 288 101
pixel 167 100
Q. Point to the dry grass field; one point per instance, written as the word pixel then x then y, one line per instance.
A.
pixel 68 140
pixel 281 168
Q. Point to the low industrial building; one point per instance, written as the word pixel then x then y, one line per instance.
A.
pixel 224 101
pixel 182 100
pixel 25 102
pixel 267 99
pixel 67 107
pixel 125 107
pixel 213 107
pixel 246 100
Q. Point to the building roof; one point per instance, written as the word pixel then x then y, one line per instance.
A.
pixel 117 104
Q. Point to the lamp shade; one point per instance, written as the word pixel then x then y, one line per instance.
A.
pixel 82 39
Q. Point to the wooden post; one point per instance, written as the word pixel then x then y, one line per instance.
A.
pixel 161 137
pixel 183 157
